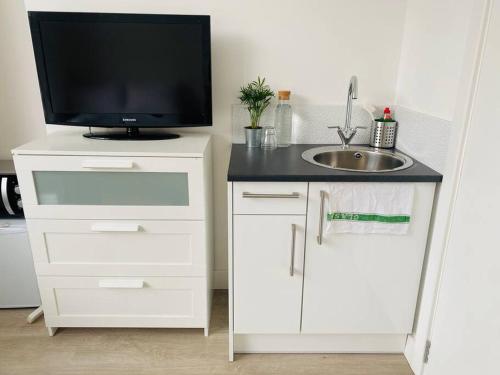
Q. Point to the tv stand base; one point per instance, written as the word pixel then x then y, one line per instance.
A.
pixel 132 134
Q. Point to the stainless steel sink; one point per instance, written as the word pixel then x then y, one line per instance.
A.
pixel 357 158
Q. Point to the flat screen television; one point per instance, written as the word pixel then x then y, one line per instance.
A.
pixel 123 70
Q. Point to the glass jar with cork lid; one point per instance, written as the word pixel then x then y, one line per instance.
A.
pixel 283 119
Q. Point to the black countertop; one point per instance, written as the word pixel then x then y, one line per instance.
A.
pixel 286 164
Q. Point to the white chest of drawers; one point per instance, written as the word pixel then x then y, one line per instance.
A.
pixel 121 231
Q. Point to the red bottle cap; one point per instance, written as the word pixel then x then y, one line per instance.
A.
pixel 387 110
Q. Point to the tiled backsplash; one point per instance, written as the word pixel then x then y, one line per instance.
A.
pixel 423 136
pixel 420 135
pixel 310 123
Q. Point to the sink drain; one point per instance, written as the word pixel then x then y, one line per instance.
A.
pixel 358 155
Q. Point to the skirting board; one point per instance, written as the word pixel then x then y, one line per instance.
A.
pixel 304 343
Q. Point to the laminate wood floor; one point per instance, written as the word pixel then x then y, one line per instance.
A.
pixel 27 349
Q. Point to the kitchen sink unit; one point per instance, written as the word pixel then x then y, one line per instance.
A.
pixel 294 288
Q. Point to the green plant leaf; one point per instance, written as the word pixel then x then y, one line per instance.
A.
pixel 257 97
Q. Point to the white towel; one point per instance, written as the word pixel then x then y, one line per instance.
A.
pixel 361 207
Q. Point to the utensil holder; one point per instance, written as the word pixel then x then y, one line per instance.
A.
pixel 383 134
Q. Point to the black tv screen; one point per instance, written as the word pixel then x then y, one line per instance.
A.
pixel 103 69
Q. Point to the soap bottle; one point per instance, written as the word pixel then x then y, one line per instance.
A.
pixel 283 119
pixel 387 115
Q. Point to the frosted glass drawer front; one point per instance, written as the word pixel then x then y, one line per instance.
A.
pixel 116 302
pixel 111 188
pixel 102 187
pixel 122 247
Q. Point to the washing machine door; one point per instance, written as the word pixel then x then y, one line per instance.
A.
pixel 11 205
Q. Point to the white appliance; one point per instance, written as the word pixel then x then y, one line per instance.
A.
pixel 18 287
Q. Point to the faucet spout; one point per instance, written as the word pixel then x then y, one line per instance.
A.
pixel 347 133
pixel 353 85
pixel 352 93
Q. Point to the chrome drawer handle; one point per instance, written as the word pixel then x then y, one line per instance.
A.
pixel 278 195
pixel 292 255
pixel 322 194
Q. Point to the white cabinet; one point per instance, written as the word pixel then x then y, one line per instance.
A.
pixel 349 293
pixel 363 284
pixel 120 231
pixel 268 270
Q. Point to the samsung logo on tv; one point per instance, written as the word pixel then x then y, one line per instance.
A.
pixel 129 119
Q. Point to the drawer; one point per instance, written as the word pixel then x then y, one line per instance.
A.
pixel 118 302
pixel 79 187
pixel 120 247
pixel 270 198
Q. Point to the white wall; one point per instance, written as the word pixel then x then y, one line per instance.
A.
pixel 457 113
pixel 21 116
pixel 430 70
pixel 466 328
pixel 434 41
pixel 311 47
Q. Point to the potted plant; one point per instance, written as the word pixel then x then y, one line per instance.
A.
pixel 257 97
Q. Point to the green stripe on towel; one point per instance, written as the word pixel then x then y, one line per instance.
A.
pixel 352 216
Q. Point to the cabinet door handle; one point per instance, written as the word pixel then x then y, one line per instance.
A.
pixel 115 227
pixel 292 255
pixel 277 195
pixel 322 195
pixel 108 164
pixel 121 284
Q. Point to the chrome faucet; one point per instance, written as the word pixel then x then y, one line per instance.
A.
pixel 347 133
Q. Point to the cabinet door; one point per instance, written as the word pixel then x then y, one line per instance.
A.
pixel 268 271
pixel 363 283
